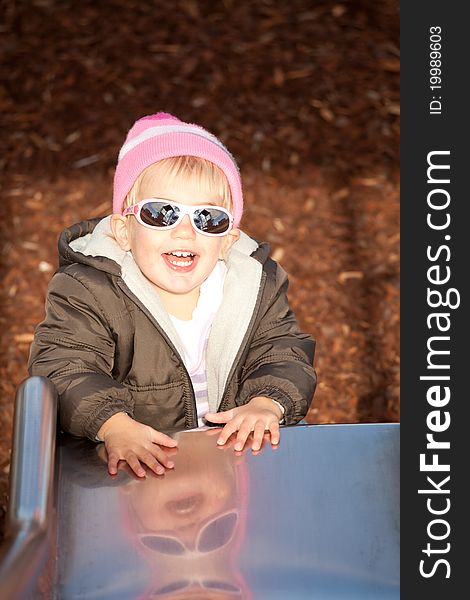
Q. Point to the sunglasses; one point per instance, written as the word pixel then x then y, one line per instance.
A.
pixel 214 585
pixel 213 535
pixel 157 213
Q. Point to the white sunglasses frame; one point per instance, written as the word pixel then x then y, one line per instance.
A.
pixel 185 209
pixel 187 551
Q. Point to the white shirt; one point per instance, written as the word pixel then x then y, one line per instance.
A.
pixel 194 335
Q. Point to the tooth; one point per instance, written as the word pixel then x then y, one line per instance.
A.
pixel 181 254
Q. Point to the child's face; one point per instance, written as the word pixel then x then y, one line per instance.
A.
pixel 154 250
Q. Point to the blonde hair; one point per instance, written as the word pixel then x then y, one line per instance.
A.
pixel 203 174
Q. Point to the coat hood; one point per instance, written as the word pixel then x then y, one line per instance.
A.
pixel 91 243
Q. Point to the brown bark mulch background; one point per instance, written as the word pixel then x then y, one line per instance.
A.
pixel 305 95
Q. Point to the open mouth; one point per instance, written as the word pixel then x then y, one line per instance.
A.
pixel 185 506
pixel 180 259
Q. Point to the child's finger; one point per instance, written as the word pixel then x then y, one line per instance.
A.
pixel 149 459
pixel 226 432
pixel 134 464
pixel 113 459
pixel 246 427
pixel 171 451
pixel 275 433
pixel 263 444
pixel 229 442
pixel 258 435
pixel 161 438
pixel 220 417
pixel 123 466
pixel 162 457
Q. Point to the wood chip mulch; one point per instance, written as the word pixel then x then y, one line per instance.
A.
pixel 306 96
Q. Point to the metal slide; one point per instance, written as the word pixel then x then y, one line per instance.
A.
pixel 318 517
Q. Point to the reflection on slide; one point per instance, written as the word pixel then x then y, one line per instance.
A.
pixel 188 525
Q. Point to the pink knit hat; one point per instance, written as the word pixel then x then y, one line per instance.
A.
pixel 162 135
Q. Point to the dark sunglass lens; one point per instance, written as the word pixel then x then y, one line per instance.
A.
pixel 159 214
pixel 165 545
pixel 212 220
pixel 217 533
pixel 225 586
pixel 175 586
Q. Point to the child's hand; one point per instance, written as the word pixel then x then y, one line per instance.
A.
pixel 259 415
pixel 136 443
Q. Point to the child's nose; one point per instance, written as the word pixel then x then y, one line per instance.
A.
pixel 184 229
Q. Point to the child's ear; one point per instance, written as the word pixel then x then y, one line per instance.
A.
pixel 120 229
pixel 232 236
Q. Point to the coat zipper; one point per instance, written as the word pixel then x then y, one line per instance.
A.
pixel 189 404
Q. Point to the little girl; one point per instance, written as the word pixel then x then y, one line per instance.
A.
pixel 164 315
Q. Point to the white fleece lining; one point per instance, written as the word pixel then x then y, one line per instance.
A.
pixel 232 320
pixel 102 243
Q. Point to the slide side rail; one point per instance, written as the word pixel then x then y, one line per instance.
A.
pixel 27 546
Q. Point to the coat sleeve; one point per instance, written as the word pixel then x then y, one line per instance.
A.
pixel 74 347
pixel 279 363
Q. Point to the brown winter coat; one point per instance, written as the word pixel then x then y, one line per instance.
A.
pixel 108 345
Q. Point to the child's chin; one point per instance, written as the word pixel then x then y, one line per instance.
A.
pixel 183 288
